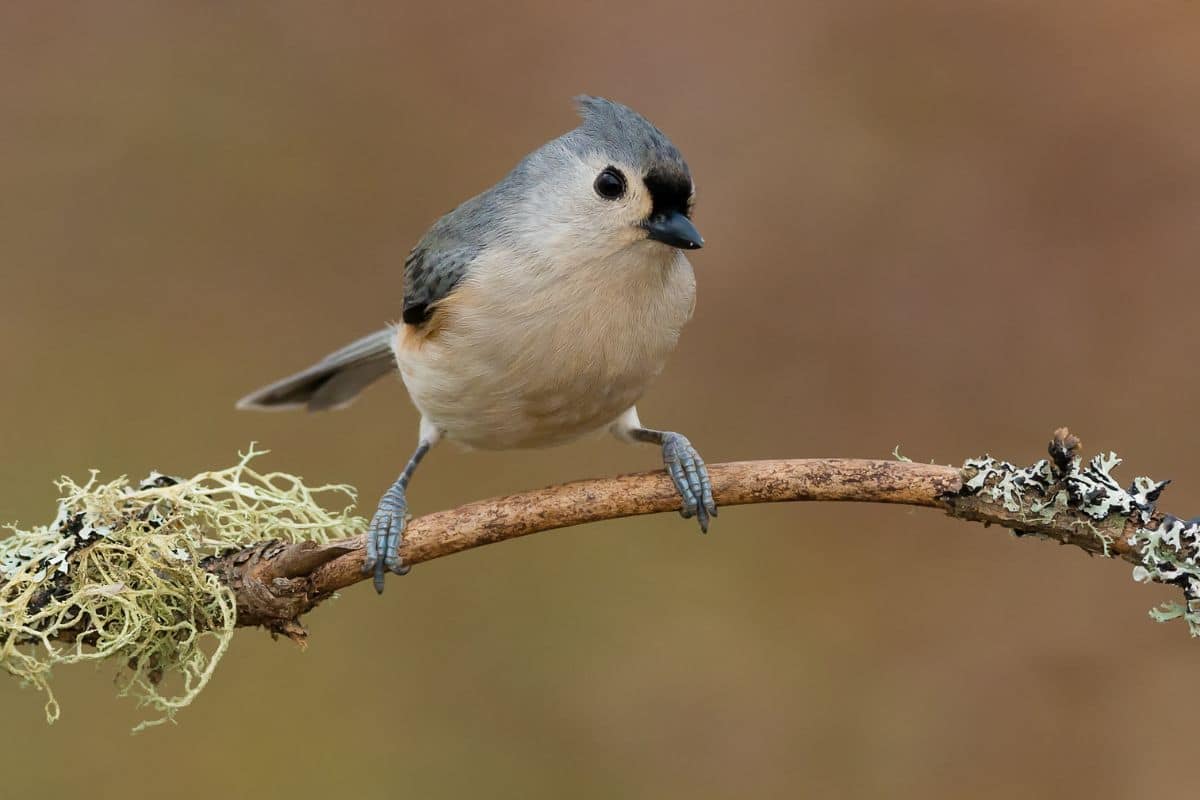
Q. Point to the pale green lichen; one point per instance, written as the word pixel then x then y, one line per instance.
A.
pixel 1169 555
pixel 118 575
pixel 1169 552
pixel 1006 483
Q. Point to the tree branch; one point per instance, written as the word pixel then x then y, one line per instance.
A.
pixel 138 573
pixel 1055 499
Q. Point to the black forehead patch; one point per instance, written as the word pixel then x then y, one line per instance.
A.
pixel 669 192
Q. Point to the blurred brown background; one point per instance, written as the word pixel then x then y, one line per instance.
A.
pixel 949 226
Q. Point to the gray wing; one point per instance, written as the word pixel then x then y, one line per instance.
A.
pixel 432 270
pixel 430 275
pixel 444 256
pixel 333 382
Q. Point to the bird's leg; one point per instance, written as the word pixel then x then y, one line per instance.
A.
pixel 387 526
pixel 684 465
pixel 687 470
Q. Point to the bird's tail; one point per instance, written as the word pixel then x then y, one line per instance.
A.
pixel 333 382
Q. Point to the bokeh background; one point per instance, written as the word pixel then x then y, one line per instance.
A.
pixel 946 226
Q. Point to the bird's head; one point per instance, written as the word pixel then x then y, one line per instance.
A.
pixel 613 183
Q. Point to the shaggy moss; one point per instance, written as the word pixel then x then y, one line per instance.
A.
pixel 118 575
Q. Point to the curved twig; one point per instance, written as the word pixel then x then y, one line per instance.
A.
pixel 275 584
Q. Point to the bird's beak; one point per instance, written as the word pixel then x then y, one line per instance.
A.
pixel 674 229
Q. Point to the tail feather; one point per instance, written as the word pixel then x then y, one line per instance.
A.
pixel 333 382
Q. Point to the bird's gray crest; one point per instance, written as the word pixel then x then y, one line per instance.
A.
pixel 624 134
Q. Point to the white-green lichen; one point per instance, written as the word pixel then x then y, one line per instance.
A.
pixel 118 575
pixel 1169 555
pixel 1007 483
pixel 1169 552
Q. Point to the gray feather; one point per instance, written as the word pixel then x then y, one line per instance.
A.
pixel 623 133
pixel 433 269
pixel 333 382
pixel 444 255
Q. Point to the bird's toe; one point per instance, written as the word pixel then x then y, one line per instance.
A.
pixel 383 540
pixel 690 476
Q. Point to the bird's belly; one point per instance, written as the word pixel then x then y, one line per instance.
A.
pixel 520 361
pixel 485 398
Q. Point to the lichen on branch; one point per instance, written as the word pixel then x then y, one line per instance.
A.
pixel 117 576
pixel 156 576
pixel 1083 504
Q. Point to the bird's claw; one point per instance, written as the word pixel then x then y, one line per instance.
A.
pixel 384 537
pixel 687 470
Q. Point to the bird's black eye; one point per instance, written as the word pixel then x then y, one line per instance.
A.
pixel 610 184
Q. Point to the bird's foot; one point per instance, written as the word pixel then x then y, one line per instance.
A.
pixel 687 470
pixel 385 534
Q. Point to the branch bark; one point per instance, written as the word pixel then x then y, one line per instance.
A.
pixel 275 584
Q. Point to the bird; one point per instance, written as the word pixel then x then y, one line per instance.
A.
pixel 536 312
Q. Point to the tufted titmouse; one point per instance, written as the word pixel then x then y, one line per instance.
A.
pixel 536 312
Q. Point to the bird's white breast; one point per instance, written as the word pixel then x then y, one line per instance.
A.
pixel 528 353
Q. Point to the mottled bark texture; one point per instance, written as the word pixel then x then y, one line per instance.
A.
pixel 275 584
